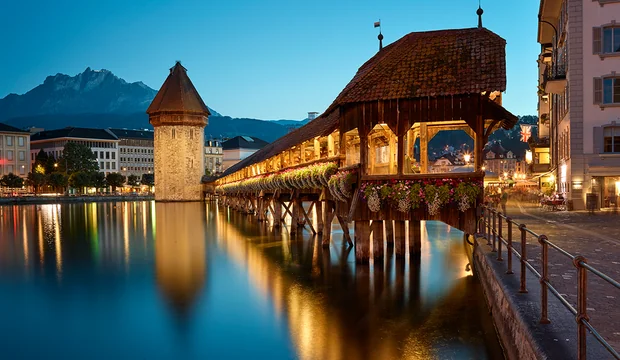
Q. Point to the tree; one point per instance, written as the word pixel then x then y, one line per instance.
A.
pixel 148 179
pixel 12 181
pixel 80 180
pixel 115 180
pixel 36 180
pixel 98 180
pixel 77 158
pixel 133 181
pixel 57 180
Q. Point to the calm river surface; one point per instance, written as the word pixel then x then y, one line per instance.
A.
pixel 141 280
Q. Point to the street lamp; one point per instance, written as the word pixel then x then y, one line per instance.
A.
pixel 467 157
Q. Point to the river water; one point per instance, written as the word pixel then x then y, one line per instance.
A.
pixel 140 280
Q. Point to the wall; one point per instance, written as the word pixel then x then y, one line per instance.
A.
pixel 179 162
pixel 16 166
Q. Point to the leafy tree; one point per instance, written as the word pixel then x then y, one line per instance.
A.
pixel 12 181
pixel 148 179
pixel 80 180
pixel 57 180
pixel 77 158
pixel 115 180
pixel 133 180
pixel 98 180
pixel 36 180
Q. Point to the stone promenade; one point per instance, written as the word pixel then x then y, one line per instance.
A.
pixel 595 236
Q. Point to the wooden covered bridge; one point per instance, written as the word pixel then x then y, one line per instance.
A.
pixel 357 161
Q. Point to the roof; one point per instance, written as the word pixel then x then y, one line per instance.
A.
pixel 133 134
pixel 73 132
pixel 9 128
pixel 244 142
pixel 178 94
pixel 431 63
pixel 321 126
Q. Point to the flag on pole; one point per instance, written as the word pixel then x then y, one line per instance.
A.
pixel 377 24
pixel 526 132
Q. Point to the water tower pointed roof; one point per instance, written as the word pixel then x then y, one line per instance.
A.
pixel 178 94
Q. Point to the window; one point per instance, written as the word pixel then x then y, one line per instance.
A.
pixel 9 155
pixel 113 156
pixel 107 155
pixel 101 155
pixel 107 165
pixel 611 138
pixel 22 156
pixel 9 141
pixel 113 166
pixel 22 170
pixel 9 168
pixel 607 90
pixel 101 165
pixel 20 140
pixel 611 39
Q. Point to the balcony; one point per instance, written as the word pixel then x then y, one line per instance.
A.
pixel 540 168
pixel 554 78
pixel 538 143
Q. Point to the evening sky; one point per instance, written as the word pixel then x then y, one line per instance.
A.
pixel 262 59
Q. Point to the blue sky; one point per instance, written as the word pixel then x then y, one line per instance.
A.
pixel 263 59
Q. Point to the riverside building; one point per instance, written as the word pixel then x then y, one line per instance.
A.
pixel 14 151
pixel 135 151
pixel 579 98
pixel 103 143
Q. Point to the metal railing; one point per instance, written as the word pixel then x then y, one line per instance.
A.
pixel 493 231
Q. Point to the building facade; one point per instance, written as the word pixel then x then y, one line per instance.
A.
pixel 580 55
pixel 179 117
pixel 14 151
pixel 135 148
pixel 239 148
pixel 499 160
pixel 103 144
pixel 214 157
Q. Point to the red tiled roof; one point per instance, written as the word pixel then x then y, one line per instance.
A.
pixel 178 94
pixel 432 63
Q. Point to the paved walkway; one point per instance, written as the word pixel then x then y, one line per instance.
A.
pixel 597 237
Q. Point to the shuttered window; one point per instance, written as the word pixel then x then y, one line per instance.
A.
pixel 596 40
pixel 611 139
pixel 598 90
pixel 611 90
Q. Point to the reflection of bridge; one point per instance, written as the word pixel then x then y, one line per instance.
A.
pixel 384 314
pixel 356 161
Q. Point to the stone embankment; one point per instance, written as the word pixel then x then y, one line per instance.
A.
pixel 70 199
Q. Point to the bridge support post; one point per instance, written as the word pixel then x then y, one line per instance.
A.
pixel 328 218
pixel 389 234
pixel 294 216
pixel 415 236
pixel 377 239
pixel 362 241
pixel 318 205
pixel 277 212
pixel 399 238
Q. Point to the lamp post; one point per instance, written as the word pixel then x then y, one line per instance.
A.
pixel 467 157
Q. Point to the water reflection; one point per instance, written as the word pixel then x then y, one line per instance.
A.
pixel 180 256
pixel 117 273
pixel 421 308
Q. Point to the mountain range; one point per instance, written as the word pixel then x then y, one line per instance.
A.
pixel 98 98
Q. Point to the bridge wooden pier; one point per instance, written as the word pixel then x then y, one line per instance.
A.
pixel 364 163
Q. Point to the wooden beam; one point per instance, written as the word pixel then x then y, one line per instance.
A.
pixel 319 216
pixel 389 234
pixel 362 242
pixel 399 238
pixel 415 236
pixel 305 215
pixel 423 148
pixel 377 239
pixel 401 154
pixel 328 218
pixel 345 229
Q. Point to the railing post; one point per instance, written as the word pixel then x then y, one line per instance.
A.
pixel 488 223
pixel 494 230
pixel 542 239
pixel 509 252
pixel 522 288
pixel 499 238
pixel 582 315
